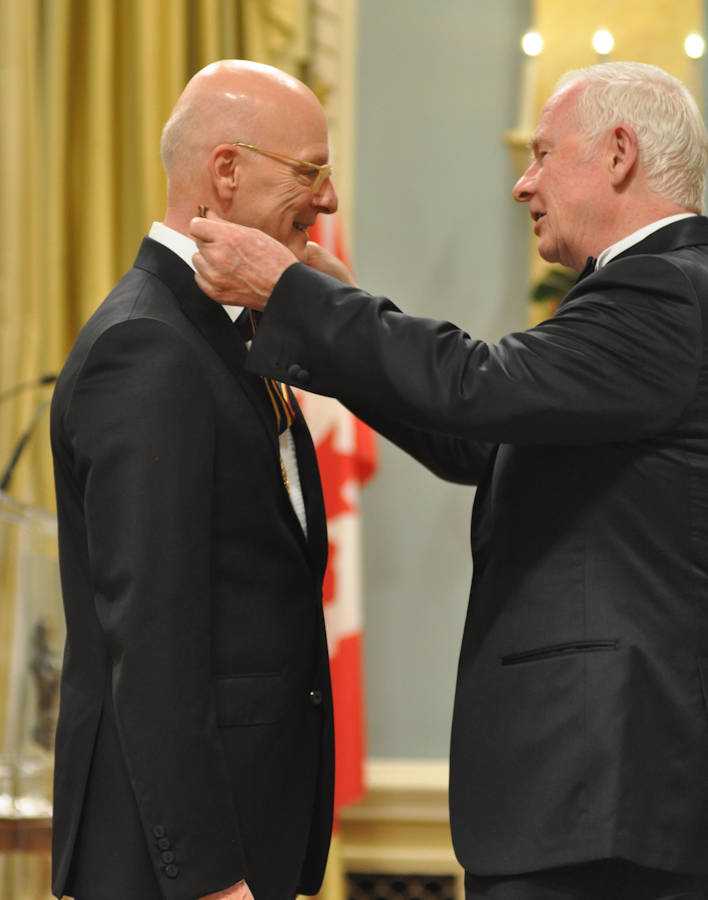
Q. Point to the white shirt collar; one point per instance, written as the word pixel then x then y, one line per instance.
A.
pixel 185 248
pixel 636 237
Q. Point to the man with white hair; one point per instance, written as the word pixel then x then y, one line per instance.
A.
pixel 579 752
pixel 194 752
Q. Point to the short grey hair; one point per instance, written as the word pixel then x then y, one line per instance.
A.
pixel 672 137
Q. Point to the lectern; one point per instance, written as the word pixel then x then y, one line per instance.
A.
pixel 30 667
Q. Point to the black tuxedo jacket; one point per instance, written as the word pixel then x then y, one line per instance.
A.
pixel 580 728
pixel 195 738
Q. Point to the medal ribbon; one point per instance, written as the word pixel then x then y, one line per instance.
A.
pixel 284 413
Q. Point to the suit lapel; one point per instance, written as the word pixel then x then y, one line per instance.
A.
pixel 213 323
pixel 311 489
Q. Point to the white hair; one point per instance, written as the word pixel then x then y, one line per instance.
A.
pixel 673 142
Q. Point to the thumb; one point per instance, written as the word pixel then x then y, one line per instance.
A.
pixel 210 214
pixel 205 226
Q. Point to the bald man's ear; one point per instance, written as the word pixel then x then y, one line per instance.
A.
pixel 224 171
pixel 623 155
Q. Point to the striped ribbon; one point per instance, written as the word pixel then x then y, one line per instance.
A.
pixel 284 413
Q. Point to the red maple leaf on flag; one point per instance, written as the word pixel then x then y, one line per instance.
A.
pixel 336 469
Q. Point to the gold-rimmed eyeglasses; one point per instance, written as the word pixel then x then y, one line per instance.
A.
pixel 323 172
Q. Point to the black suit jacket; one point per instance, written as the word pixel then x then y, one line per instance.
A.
pixel 580 727
pixel 194 745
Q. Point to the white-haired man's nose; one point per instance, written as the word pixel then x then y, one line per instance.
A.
pixel 523 189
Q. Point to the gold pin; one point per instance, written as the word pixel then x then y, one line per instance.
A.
pixel 203 211
pixel 286 481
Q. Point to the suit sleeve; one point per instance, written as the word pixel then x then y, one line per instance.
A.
pixel 141 425
pixel 619 361
pixel 450 458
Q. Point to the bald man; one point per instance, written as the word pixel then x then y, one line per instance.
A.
pixel 194 753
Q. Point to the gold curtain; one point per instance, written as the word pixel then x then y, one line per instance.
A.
pixel 85 88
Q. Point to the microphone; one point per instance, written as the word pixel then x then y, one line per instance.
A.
pixel 24 437
pixel 25 385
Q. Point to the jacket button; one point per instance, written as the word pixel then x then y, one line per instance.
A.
pixel 164 844
pixel 303 376
pixel 171 871
pixel 316 697
pixel 168 856
pixel 294 370
pixel 159 831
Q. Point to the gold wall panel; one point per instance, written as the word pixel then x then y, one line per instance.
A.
pixel 649 31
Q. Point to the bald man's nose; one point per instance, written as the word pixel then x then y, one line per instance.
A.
pixel 326 197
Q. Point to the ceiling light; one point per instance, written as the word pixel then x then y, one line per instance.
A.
pixel 695 45
pixel 532 43
pixel 603 42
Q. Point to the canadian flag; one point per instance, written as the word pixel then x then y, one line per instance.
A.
pixel 347 457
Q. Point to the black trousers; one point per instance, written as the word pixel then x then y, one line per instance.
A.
pixel 604 879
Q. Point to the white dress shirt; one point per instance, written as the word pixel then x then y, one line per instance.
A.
pixel 636 237
pixel 185 248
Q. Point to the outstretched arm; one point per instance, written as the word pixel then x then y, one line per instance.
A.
pixel 619 361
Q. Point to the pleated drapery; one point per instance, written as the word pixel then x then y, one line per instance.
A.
pixel 85 88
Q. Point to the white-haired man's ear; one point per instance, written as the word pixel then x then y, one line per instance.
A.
pixel 624 152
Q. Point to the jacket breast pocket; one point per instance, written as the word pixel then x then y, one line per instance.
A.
pixel 569 649
pixel 257 699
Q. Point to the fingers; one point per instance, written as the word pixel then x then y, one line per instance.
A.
pixel 239 891
pixel 232 287
pixel 211 228
pixel 236 265
pixel 324 261
pixel 226 291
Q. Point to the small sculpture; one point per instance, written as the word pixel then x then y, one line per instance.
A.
pixel 46 669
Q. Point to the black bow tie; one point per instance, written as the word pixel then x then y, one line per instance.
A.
pixel 588 269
